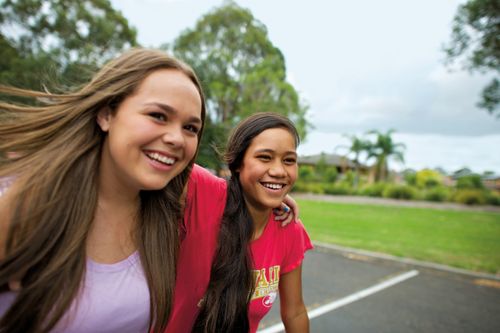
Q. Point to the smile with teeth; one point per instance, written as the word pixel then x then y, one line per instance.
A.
pixel 273 186
pixel 161 158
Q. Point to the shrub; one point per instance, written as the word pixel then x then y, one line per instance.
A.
pixel 338 189
pixel 399 192
pixel 470 182
pixel 438 194
pixel 330 174
pixel 427 178
pixel 373 190
pixel 470 197
pixel 493 198
pixel 308 187
pixel 306 172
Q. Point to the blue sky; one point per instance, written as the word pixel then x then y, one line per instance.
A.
pixel 362 65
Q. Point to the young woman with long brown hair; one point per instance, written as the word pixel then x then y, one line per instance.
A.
pixel 233 260
pixel 89 217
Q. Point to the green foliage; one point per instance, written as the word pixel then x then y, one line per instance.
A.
pixel 457 238
pixel 338 189
pixel 437 194
pixel 399 192
pixel 471 181
pixel 241 70
pixel 374 190
pixel 474 41
pixel 470 197
pixel 427 178
pixel 383 149
pixel 410 177
pixel 330 174
pixel 40 40
pixel 306 173
pixel 308 187
pixel 493 198
pixel 324 172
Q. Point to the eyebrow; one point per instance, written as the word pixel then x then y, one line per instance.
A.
pixel 168 109
pixel 272 151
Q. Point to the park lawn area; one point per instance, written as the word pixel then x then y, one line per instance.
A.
pixel 463 239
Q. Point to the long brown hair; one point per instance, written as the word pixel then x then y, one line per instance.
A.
pixel 58 145
pixel 225 306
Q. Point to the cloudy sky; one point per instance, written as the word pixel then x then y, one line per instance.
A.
pixel 362 65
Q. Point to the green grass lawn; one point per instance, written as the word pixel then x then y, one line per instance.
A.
pixel 463 239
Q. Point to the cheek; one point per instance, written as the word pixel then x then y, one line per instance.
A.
pixel 191 145
pixel 293 172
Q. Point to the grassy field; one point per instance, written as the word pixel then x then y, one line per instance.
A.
pixel 463 239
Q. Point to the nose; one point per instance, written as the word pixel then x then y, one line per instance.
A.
pixel 277 170
pixel 173 136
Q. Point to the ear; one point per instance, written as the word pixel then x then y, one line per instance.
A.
pixel 104 119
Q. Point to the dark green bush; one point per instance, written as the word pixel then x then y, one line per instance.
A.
pixel 438 194
pixel 470 196
pixel 470 182
pixel 308 187
pixel 373 190
pixel 338 189
pixel 493 198
pixel 399 192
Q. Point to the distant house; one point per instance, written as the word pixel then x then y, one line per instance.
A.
pixel 342 163
pixel 491 181
pixel 461 173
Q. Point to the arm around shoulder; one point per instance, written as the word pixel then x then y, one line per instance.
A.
pixel 293 310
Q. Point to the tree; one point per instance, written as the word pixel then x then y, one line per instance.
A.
pixel 241 70
pixel 41 40
pixel 383 149
pixel 475 40
pixel 355 149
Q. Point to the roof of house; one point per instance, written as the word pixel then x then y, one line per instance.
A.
pixel 330 159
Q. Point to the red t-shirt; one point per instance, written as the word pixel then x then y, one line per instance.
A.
pixel 278 251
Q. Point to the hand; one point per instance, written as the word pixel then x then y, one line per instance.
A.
pixel 283 212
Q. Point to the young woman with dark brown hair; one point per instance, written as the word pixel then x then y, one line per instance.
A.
pixel 233 260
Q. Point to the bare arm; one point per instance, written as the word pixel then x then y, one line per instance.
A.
pixel 293 309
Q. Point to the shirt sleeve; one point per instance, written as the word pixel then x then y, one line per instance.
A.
pixel 298 242
pixel 205 191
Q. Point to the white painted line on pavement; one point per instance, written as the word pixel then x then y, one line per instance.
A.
pixel 348 299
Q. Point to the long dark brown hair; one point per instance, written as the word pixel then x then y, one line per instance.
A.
pixel 58 148
pixel 225 305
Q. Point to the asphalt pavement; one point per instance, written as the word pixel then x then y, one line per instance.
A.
pixel 348 291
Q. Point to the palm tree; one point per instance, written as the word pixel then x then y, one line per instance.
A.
pixel 382 150
pixel 356 147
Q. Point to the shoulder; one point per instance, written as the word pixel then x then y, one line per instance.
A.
pixel 202 177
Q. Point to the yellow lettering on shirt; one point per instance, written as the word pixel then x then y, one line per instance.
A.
pixel 266 283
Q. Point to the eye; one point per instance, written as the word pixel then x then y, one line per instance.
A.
pixel 290 160
pixel 192 128
pixel 158 116
pixel 264 158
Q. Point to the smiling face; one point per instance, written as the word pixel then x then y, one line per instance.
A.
pixel 269 169
pixel 153 134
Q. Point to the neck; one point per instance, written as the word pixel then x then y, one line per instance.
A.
pixel 259 216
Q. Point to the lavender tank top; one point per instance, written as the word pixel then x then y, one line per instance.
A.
pixel 114 298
